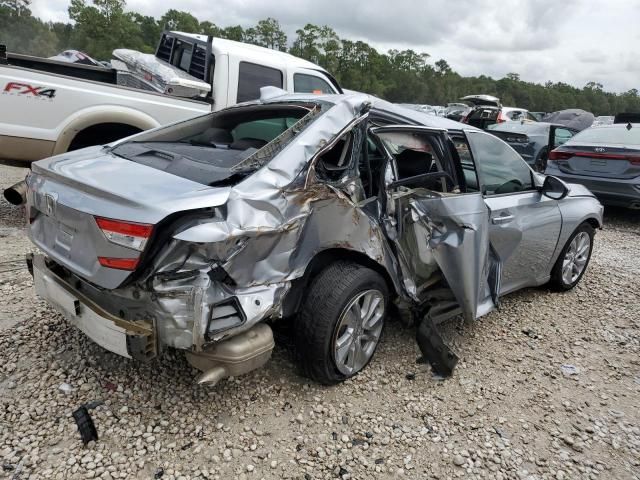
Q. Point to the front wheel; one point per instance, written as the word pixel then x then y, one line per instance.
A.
pixel 574 258
pixel 340 323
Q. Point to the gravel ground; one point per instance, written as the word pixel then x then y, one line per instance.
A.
pixel 509 411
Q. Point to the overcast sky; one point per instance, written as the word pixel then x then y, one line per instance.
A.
pixel 573 41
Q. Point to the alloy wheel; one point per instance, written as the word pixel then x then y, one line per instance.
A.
pixel 358 331
pixel 576 257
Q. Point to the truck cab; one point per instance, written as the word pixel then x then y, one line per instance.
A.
pixel 236 71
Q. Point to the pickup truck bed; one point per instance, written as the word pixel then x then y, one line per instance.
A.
pixel 50 107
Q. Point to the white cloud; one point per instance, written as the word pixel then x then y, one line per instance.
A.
pixel 572 41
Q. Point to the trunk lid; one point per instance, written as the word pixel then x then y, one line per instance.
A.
pixel 596 160
pixel 484 100
pixel 518 141
pixel 483 116
pixel 66 193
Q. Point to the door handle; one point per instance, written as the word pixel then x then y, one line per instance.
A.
pixel 501 219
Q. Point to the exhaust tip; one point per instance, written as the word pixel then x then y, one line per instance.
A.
pixel 16 194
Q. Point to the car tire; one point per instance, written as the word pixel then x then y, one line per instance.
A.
pixel 540 164
pixel 565 273
pixel 327 316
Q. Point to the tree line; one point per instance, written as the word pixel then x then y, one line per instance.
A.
pixel 405 76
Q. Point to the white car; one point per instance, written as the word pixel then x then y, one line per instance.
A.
pixel 487 110
pixel 49 107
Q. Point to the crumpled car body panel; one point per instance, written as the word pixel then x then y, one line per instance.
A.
pixel 226 264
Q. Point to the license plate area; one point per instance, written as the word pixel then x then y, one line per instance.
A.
pixel 126 338
pixel 56 294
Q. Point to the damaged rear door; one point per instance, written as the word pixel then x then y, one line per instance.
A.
pixel 437 229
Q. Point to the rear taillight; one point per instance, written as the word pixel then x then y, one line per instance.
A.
pixel 500 118
pixel 560 155
pixel 119 263
pixel 126 234
pixel 555 155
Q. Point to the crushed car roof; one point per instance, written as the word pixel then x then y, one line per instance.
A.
pixel 356 98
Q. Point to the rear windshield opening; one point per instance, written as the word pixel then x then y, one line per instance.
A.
pixel 608 135
pixel 220 148
pixel 482 117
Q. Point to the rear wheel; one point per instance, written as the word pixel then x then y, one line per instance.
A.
pixel 574 258
pixel 340 323
pixel 541 160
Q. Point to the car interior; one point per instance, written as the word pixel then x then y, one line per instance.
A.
pixel 220 148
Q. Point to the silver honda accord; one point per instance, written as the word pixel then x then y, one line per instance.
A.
pixel 326 214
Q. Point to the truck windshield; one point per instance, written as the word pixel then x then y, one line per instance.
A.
pixel 220 148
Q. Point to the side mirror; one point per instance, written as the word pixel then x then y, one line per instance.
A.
pixel 554 188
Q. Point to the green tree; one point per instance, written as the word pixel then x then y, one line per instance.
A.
pixel 235 32
pixel 149 31
pixel 442 67
pixel 102 26
pixel 181 21
pixel 99 26
pixel 208 28
pixel 267 33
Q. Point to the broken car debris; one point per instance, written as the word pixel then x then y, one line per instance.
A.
pixel 328 210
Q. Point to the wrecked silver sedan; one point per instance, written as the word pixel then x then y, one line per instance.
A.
pixel 328 212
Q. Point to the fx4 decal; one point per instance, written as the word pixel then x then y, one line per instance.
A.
pixel 28 90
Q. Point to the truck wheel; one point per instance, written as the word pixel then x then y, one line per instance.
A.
pixel 573 259
pixel 339 326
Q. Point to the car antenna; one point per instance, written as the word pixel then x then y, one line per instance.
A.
pixel 629 126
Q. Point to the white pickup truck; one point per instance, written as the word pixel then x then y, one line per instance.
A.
pixel 49 107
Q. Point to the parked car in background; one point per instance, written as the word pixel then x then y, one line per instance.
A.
pixel 76 56
pixel 538 115
pixel 532 139
pixel 439 110
pixel 572 117
pixel 323 211
pixel 487 110
pixel 605 159
pixel 419 107
pixel 627 117
pixel 603 120
pixel 49 107
pixel 456 111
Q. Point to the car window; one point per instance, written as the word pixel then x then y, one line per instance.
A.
pixel 613 134
pixel 266 129
pixel 310 84
pixel 561 136
pixel 531 117
pixel 515 114
pixel 501 169
pixel 252 77
pixel 466 161
pixel 417 154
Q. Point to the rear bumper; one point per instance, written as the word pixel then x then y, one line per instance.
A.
pixel 129 339
pixel 621 193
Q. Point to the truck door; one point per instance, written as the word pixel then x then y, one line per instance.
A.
pixel 437 229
